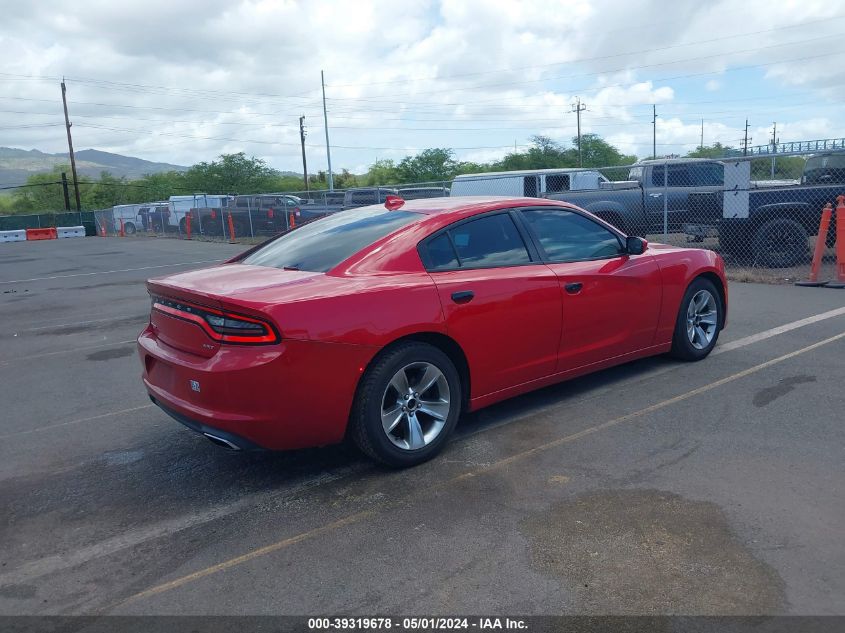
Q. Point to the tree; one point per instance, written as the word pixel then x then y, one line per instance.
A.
pixel 596 152
pixel 232 173
pixel 717 150
pixel 430 165
pixel 544 153
pixel 382 172
pixel 43 192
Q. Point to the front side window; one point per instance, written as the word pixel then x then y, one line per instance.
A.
pixel 568 237
pixel 322 245
pixel 490 241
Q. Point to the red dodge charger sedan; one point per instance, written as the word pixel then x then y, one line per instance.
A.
pixel 384 323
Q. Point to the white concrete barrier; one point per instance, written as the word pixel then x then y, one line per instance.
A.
pixel 70 231
pixel 14 236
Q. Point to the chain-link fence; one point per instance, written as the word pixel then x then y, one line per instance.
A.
pixel 761 214
pixel 49 219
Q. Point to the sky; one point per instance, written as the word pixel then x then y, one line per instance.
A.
pixel 185 81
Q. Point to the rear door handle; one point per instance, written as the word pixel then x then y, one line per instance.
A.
pixel 655 195
pixel 573 287
pixel 464 296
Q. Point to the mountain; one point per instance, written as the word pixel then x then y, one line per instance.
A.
pixel 17 164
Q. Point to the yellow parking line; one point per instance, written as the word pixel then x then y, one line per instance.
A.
pixel 353 518
pixel 261 551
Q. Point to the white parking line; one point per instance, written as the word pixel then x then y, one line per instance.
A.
pixel 58 562
pixel 77 421
pixel 781 329
pixel 7 362
pixel 110 272
pixel 72 323
pixel 131 538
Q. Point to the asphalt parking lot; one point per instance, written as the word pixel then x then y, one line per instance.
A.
pixel 652 488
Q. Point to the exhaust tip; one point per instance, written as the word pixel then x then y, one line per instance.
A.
pixel 219 441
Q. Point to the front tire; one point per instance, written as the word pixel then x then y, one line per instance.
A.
pixel 407 405
pixel 699 321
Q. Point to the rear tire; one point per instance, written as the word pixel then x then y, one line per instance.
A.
pixel 699 321
pixel 129 228
pixel 407 405
pixel 780 242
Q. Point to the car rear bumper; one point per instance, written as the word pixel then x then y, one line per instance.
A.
pixel 217 436
pixel 292 395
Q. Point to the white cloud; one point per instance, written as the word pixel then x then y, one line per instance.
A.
pixel 188 80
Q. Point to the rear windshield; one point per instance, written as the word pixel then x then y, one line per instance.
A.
pixel 322 245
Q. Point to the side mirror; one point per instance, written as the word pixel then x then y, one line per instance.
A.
pixel 635 245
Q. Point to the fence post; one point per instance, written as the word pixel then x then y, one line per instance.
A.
pixel 249 215
pixel 666 201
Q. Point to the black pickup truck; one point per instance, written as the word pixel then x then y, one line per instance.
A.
pixel 261 214
pixel 769 222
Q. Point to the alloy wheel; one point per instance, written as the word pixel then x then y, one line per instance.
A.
pixel 415 406
pixel 702 319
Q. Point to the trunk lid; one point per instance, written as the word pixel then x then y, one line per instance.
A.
pixel 228 287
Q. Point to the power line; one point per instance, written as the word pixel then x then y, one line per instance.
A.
pixel 588 59
pixel 629 68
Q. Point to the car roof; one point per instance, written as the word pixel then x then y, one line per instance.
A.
pixel 459 205
pixel 525 172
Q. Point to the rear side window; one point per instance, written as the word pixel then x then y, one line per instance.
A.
pixel 557 182
pixel 489 242
pixel 441 253
pixel 566 236
pixel 322 245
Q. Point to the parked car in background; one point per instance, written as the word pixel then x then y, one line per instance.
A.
pixel 770 224
pixel 416 193
pixel 367 195
pixel 259 214
pixel 531 183
pixel 318 204
pixel 181 206
pixel 384 325
pixel 155 216
pixel 129 214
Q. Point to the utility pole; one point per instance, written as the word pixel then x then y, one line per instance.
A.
pixel 654 131
pixel 326 124
pixel 745 141
pixel 70 149
pixel 701 145
pixel 302 140
pixel 775 141
pixel 64 191
pixel 577 108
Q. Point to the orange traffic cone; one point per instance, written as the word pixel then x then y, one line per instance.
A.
pixel 818 252
pixel 840 245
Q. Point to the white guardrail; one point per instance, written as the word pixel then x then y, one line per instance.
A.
pixel 70 231
pixel 13 236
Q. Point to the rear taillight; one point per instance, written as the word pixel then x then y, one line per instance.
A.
pixel 224 327
pixel 270 213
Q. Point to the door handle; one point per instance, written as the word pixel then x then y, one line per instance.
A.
pixel 655 195
pixel 464 296
pixel 573 287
